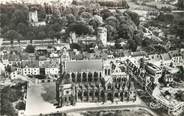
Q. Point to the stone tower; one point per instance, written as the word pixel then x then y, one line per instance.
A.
pixel 102 35
pixel 33 17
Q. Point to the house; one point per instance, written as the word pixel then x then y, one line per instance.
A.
pixel 14 58
pixel 166 59
pixel 139 54
pixel 31 71
pixel 86 39
pixel 54 55
pixel 14 75
pixel 29 68
pixel 52 71
pixel 176 56
pixel 50 67
pixel 154 57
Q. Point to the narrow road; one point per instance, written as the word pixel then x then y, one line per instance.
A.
pixel 122 107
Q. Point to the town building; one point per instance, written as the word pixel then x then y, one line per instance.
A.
pixel 85 39
pixel 176 57
pixel 86 81
pixel 102 35
pixel 139 54
pixel 14 75
pixel 33 19
pixel 30 71
pixel 166 59
pixel 29 68
pixel 65 56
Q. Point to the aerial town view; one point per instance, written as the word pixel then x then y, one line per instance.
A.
pixel 91 57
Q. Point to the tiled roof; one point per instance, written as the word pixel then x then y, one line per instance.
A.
pixel 83 65
pixel 165 56
pixel 25 56
pixel 141 53
pixel 50 64
pixel 155 57
pixel 174 53
pixel 30 64
pixel 14 57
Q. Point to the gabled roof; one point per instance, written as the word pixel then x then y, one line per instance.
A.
pixel 50 64
pixel 30 64
pixel 174 53
pixel 165 56
pixel 14 57
pixel 83 66
pixel 141 53
pixel 155 57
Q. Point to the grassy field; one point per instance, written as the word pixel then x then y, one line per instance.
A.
pixel 49 93
pixel 111 113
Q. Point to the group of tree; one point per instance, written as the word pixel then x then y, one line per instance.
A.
pixel 118 3
pixel 180 4
pixel 81 20
pixel 9 95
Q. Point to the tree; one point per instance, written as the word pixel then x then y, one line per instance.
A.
pixel 106 13
pixel 19 16
pixel 8 69
pixel 30 35
pixel 70 18
pixel 132 45
pixel 86 15
pixel 125 31
pixel 166 17
pixel 22 28
pixel 117 44
pixel 112 33
pixel 94 23
pixel 30 49
pixel 41 35
pixel 13 35
pixel 7 108
pixel 180 4
pixel 180 29
pixel 79 28
pixel 134 17
pixel 4 19
pixel 75 46
pixel 138 35
pixel 20 106
pixel 146 42
pixel 113 21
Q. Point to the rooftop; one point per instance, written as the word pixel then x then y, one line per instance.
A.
pixel 140 53
pixel 30 64
pixel 83 65
pixel 155 57
pixel 165 56
pixel 174 53
pixel 50 64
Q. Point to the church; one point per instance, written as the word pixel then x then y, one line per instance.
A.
pixel 92 81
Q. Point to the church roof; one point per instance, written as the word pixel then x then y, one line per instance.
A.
pixel 83 66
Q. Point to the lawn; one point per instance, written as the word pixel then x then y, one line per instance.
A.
pixel 49 93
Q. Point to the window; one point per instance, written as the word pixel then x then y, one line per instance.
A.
pixel 105 71
pixel 109 71
pixel 95 74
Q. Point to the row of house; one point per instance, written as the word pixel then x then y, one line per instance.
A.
pixel 174 57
